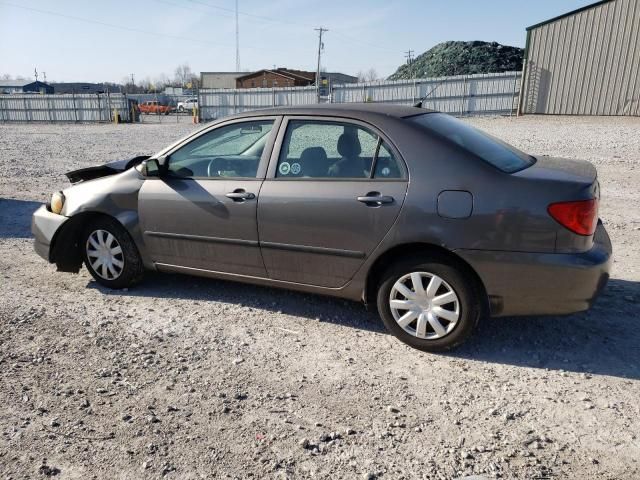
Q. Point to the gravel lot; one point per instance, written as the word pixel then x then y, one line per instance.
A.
pixel 193 378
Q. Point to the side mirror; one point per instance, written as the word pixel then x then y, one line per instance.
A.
pixel 163 161
pixel 150 168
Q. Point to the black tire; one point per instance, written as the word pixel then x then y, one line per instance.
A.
pixel 468 294
pixel 181 109
pixel 133 270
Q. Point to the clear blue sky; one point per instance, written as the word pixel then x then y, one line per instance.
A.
pixel 79 40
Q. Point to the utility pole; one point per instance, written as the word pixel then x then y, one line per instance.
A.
pixel 320 48
pixel 133 80
pixel 35 72
pixel 237 40
pixel 409 56
pixel 44 76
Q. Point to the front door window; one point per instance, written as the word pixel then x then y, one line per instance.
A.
pixel 231 151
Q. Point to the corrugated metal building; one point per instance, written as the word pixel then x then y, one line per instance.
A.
pixel 219 79
pixel 585 62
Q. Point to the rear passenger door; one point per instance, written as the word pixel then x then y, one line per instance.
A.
pixel 333 190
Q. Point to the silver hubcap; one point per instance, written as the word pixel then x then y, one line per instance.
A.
pixel 105 254
pixel 424 305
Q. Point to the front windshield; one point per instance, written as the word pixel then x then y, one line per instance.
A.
pixel 490 149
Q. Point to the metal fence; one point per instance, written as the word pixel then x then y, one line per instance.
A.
pixel 64 108
pixel 216 103
pixel 481 94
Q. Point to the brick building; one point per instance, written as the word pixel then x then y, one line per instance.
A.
pixel 279 77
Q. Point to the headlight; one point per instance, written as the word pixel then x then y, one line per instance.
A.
pixel 57 202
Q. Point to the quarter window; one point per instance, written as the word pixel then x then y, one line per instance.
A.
pixel 325 149
pixel 232 151
pixel 386 164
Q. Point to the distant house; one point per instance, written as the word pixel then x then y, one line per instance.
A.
pixel 279 77
pixel 24 86
pixel 219 79
pixel 79 87
pixel 287 77
pixel 270 78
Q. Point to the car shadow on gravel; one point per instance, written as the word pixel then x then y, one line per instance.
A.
pixel 603 341
pixel 313 307
pixel 15 217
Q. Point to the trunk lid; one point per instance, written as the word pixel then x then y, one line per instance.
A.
pixel 554 169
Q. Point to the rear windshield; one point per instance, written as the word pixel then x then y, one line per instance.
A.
pixel 490 149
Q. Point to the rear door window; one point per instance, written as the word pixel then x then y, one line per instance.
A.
pixel 339 150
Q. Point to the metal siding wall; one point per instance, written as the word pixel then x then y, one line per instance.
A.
pixel 634 60
pixel 62 108
pixel 587 63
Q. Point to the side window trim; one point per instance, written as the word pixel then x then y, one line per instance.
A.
pixel 382 138
pixel 375 158
pixel 266 153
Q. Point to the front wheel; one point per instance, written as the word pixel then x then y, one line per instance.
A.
pixel 430 305
pixel 110 254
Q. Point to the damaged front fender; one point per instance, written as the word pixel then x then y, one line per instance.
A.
pixel 112 168
pixel 115 196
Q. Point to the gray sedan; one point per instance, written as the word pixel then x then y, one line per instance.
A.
pixel 431 221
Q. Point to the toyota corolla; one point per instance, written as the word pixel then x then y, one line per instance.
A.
pixel 433 222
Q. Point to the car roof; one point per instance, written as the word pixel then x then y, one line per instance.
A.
pixel 357 110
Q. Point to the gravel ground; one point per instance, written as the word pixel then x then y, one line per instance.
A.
pixel 194 378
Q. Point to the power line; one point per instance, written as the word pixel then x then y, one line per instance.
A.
pixel 129 29
pixel 320 48
pixel 290 22
pixel 409 56
pixel 259 17
pixel 237 40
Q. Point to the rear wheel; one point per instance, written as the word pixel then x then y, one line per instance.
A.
pixel 429 305
pixel 110 254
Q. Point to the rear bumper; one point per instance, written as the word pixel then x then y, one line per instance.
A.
pixel 44 226
pixel 543 283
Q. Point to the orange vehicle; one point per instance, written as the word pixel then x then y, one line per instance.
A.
pixel 154 106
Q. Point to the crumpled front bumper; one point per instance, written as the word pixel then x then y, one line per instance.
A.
pixel 44 226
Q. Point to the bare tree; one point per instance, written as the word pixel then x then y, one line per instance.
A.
pixel 145 84
pixel 160 81
pixel 370 75
pixel 183 74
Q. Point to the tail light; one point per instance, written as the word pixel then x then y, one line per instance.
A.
pixel 580 217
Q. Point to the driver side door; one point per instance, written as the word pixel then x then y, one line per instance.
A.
pixel 201 212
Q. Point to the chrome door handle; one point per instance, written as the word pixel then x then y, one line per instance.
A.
pixel 239 195
pixel 375 199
